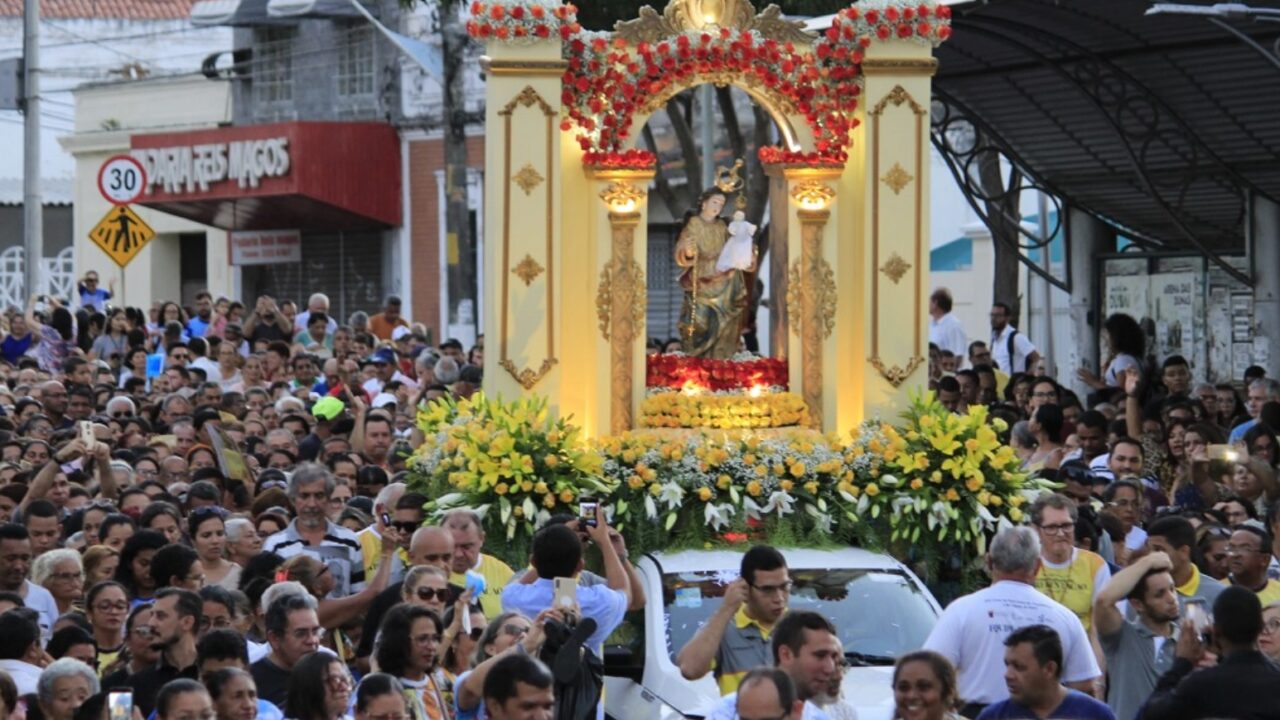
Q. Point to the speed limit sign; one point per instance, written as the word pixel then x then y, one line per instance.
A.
pixel 121 179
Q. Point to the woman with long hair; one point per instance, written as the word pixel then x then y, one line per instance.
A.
pixel 407 647
pixel 54 341
pixel 208 531
pixel 1046 426
pixel 114 341
pixel 134 571
pixel 1126 346
pixel 138 653
pixel 134 365
pixel 107 606
pixel 319 670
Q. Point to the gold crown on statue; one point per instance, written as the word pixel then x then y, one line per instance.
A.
pixel 728 181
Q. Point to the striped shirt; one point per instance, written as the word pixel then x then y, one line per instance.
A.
pixel 744 647
pixel 339 550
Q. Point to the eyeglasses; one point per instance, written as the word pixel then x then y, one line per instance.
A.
pixel 109 606
pixel 301 634
pixel 1063 529
pixel 1271 627
pixel 1124 503
pixel 425 594
pixel 144 631
pixel 1240 550
pixel 208 510
pixel 515 630
pixel 339 681
pixel 784 588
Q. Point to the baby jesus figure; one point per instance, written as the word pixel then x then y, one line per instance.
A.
pixel 739 250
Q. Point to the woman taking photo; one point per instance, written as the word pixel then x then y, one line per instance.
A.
pixel 208 533
pixel 107 606
pixel 407 647
pixel 60 572
pixel 319 670
pixel 1126 345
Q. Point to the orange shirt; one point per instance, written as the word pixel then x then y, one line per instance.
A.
pixel 381 327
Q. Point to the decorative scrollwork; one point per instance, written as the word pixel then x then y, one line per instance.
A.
pixel 894 374
pixel 527 377
pixel 682 15
pixel 622 196
pixel 897 178
pixel 895 267
pixel 528 178
pixel 825 295
pixel 639 297
pixel 527 270
pixel 813 193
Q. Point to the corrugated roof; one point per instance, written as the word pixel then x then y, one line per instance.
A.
pixel 123 9
pixel 1184 116
pixel 56 191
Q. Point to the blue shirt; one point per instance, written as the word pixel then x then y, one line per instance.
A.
pixel 474 713
pixel 1076 706
pixel 96 300
pixel 197 327
pixel 1237 433
pixel 598 602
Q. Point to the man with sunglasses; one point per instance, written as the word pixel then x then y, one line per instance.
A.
pixel 384 504
pixel 736 638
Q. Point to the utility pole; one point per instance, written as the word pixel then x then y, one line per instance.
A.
pixel 32 202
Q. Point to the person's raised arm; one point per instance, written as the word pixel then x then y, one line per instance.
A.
pixel 633 575
pixel 102 465
pixel 336 612
pixel 251 322
pixel 43 482
pixel 1106 616
pixel 695 658
pixel 615 574
pixel 1132 406
pixel 32 322
pixel 470 691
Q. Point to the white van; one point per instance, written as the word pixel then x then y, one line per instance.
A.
pixel 879 607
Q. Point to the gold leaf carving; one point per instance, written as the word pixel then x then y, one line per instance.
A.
pixel 526 377
pixel 527 270
pixel 824 293
pixel 622 194
pixel 638 303
pixel 813 193
pixel 685 15
pixel 528 178
pixel 528 97
pixel 897 96
pixel 894 374
pixel 895 267
pixel 793 298
pixel 897 178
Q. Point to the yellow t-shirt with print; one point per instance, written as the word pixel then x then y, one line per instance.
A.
pixel 496 576
pixel 1075 584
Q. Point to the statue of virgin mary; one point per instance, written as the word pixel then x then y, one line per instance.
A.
pixel 713 316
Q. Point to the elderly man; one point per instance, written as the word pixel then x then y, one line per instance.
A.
pixel 384 506
pixel 311 531
pixel 430 546
pixel 468 539
pixel 1261 392
pixel 972 630
pixel 317 303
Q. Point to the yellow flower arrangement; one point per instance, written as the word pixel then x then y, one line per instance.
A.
pixel 723 412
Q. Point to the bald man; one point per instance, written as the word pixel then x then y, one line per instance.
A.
pixel 429 546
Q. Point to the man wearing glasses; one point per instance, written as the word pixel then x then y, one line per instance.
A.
pixel 1070 576
pixel 293 630
pixel 735 639
pixel 1248 555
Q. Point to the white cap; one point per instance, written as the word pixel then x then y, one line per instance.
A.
pixel 383 399
pixel 400 332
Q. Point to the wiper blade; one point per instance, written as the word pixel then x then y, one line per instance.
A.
pixel 858 659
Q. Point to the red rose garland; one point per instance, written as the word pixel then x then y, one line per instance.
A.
pixel 681 371
pixel 522 21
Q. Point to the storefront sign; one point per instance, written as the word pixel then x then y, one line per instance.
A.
pixel 265 247
pixel 188 169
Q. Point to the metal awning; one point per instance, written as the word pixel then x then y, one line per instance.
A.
pixel 1162 125
pixel 250 13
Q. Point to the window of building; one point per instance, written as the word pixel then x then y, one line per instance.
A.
pixel 356 64
pixel 273 67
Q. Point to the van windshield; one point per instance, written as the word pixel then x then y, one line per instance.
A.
pixel 879 614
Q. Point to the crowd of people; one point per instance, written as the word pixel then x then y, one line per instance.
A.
pixel 205 512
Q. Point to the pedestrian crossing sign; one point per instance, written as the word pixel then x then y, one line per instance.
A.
pixel 121 234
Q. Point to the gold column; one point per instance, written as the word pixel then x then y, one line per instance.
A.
pixel 621 296
pixel 811 290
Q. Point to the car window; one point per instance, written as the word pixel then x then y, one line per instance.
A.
pixel 879 614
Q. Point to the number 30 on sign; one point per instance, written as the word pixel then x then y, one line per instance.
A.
pixel 121 179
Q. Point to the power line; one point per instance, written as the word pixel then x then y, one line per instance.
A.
pixel 136 36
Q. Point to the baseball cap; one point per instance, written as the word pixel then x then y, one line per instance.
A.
pixel 400 333
pixel 327 408
pixel 384 399
pixel 383 355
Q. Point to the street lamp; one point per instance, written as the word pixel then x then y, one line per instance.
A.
pixel 1234 11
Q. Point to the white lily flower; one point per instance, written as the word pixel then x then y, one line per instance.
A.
pixel 717 516
pixel 751 508
pixel 671 494
pixel 864 502
pixel 780 502
pixel 650 508
pixel 984 513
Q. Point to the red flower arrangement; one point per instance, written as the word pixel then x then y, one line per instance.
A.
pixel 633 159
pixel 522 21
pixel 773 155
pixel 680 371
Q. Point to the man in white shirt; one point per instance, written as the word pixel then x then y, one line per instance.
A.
pixel 20 650
pixel 945 329
pixel 1005 337
pixel 972 630
pixel 317 303
pixel 806 648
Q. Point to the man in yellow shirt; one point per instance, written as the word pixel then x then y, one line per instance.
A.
pixel 1248 555
pixel 468 539
pixel 1068 575
pixel 407 520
